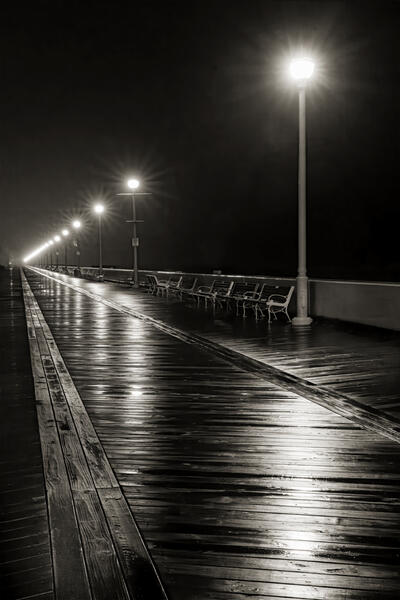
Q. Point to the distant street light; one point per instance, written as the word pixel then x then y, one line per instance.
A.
pixel 99 209
pixel 51 243
pixel 133 185
pixel 77 225
pixel 57 239
pixel 301 70
pixel 65 233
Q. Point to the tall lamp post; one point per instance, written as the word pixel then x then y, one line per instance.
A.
pixel 65 233
pixel 133 185
pixel 301 70
pixel 77 225
pixel 99 209
pixel 56 240
pixel 50 262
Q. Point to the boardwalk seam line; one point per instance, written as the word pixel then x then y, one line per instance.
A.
pixel 368 418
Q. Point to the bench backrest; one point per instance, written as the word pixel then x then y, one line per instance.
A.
pixel 223 288
pixel 266 290
pixel 286 293
pixel 176 283
pixel 244 287
pixel 189 284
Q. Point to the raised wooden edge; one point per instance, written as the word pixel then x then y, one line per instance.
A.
pixel 367 417
pixel 89 491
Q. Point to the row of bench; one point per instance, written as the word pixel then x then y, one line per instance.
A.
pixel 261 298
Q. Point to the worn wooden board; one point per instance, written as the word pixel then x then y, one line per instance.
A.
pixel 112 551
pixel 240 488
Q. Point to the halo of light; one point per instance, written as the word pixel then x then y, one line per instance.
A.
pixel 301 68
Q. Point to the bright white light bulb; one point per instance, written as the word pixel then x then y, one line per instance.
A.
pixel 76 224
pixel 98 208
pixel 65 232
pixel 302 69
pixel 133 184
pixel 57 238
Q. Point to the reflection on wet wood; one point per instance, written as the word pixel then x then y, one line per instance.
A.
pixel 239 487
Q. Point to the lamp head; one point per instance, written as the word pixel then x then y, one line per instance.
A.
pixel 76 224
pixel 65 232
pixel 133 183
pixel 57 238
pixel 302 69
pixel 98 208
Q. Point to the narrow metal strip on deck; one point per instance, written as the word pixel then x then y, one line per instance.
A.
pixel 367 417
pixel 94 535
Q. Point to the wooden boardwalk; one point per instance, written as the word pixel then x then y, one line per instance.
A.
pixel 240 487
pixel 93 534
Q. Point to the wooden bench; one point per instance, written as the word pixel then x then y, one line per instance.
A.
pixel 241 291
pixel 277 302
pixel 222 292
pixel 203 291
pixel 256 300
pixel 187 286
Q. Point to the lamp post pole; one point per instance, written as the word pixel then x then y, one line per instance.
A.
pixel 99 209
pixel 76 224
pixel 302 317
pixel 302 70
pixel 133 184
pixel 100 250
pixel 135 243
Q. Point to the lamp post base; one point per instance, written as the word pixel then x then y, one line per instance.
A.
pixel 301 321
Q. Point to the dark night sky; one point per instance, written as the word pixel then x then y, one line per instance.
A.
pixel 190 97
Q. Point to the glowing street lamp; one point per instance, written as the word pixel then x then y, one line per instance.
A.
pixel 99 209
pixel 77 225
pixel 301 70
pixel 133 184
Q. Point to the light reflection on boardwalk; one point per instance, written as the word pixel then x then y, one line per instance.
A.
pixel 239 487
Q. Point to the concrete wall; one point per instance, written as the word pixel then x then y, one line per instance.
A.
pixel 367 303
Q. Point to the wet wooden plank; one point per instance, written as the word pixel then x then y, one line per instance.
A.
pixel 239 487
pixel 67 552
pixel 142 580
pixel 104 570
pixel 109 535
